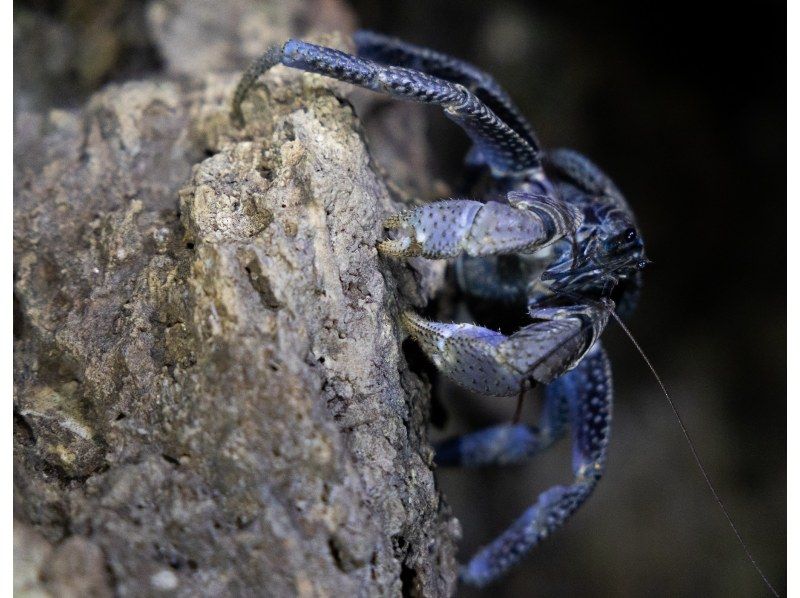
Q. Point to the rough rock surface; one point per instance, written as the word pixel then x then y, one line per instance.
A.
pixel 210 396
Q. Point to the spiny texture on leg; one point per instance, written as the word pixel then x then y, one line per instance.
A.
pixel 444 229
pixel 437 230
pixel 394 52
pixel 548 348
pixel 500 147
pixel 257 68
pixel 588 391
pixel 492 364
pixel 465 353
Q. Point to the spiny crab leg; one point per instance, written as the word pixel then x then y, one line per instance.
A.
pixel 444 229
pixel 588 393
pixel 493 364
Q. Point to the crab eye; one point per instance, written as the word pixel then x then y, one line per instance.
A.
pixel 642 264
pixel 619 240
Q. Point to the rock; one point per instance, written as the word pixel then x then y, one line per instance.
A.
pixel 210 396
pixel 72 569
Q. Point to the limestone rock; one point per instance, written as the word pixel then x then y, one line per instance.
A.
pixel 210 393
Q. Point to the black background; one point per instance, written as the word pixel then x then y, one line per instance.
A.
pixel 683 104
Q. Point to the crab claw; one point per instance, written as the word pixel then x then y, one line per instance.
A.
pixel 493 364
pixel 444 229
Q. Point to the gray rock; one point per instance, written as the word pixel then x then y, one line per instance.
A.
pixel 210 397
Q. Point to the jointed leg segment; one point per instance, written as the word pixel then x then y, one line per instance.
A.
pixel 444 229
pixel 495 365
pixel 507 444
pixel 588 392
pixel 394 52
pixel 501 148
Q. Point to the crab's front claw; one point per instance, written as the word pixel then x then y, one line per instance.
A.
pixel 404 243
pixel 465 353
pixel 444 229
pixel 436 230
pixel 492 364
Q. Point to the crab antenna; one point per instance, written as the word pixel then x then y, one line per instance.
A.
pixel 691 444
pixel 609 306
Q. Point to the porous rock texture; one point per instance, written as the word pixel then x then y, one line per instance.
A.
pixel 210 398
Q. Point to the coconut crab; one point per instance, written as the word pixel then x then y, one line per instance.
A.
pixel 552 237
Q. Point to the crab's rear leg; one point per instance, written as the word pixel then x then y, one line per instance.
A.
pixel 500 147
pixel 507 444
pixel 589 389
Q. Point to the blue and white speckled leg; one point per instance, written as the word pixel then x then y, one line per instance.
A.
pixel 445 229
pixel 499 146
pixel 395 52
pixel 508 444
pixel 589 391
pixel 495 365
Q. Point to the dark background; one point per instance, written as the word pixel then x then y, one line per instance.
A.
pixel 683 104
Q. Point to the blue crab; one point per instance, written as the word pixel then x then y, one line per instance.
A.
pixel 552 238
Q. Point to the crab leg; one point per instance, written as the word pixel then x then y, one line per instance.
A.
pixel 498 145
pixel 444 229
pixel 577 168
pixel 508 444
pixel 395 52
pixel 495 365
pixel 589 392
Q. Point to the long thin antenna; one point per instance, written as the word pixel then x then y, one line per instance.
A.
pixel 697 460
